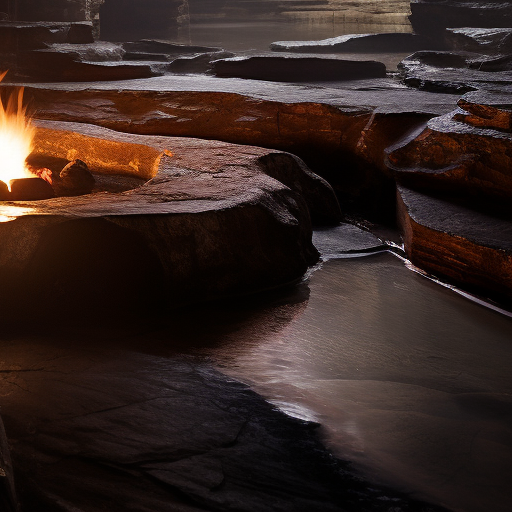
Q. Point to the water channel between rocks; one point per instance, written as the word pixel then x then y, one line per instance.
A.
pixel 409 380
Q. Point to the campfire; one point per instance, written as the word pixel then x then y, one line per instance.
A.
pixel 19 178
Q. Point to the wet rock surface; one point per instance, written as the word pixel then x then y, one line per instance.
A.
pixel 482 40
pixel 455 72
pixel 297 69
pixel 345 239
pixel 171 433
pixel 457 221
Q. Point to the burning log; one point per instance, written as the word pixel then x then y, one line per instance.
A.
pixel 30 189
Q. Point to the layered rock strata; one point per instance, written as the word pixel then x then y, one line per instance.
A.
pixel 340 133
pixel 454 202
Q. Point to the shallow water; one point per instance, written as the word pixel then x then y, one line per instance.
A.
pixel 409 380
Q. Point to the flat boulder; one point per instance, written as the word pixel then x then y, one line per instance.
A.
pixel 364 43
pixel 296 68
pixel 211 220
pixel 58 64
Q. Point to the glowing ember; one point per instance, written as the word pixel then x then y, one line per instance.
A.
pixel 16 136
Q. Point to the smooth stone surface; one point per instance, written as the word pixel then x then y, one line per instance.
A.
pixel 294 68
pixel 470 248
pixel 166 47
pixel 213 220
pixel 345 239
pixel 454 72
pixel 372 43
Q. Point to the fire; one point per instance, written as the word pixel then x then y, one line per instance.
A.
pixel 16 137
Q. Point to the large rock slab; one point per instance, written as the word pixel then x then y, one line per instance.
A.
pixel 469 247
pixel 455 72
pixel 212 220
pixel 297 69
pixel 341 132
pixel 483 40
pixel 64 64
pixel 364 43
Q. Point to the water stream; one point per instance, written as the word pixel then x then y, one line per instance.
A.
pixel 409 380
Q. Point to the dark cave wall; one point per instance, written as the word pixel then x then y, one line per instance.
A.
pixel 129 20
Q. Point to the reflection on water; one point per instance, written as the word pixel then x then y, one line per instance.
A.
pixel 409 380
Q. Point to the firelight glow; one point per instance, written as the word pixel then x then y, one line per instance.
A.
pixel 16 137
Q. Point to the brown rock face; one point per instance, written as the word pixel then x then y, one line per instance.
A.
pixel 469 248
pixel 340 134
pixel 210 222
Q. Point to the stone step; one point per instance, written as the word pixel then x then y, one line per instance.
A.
pixel 457 242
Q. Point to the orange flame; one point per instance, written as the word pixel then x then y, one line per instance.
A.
pixel 16 138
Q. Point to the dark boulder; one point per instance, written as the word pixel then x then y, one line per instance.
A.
pixel 75 179
pixel 297 69
pixel 30 189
